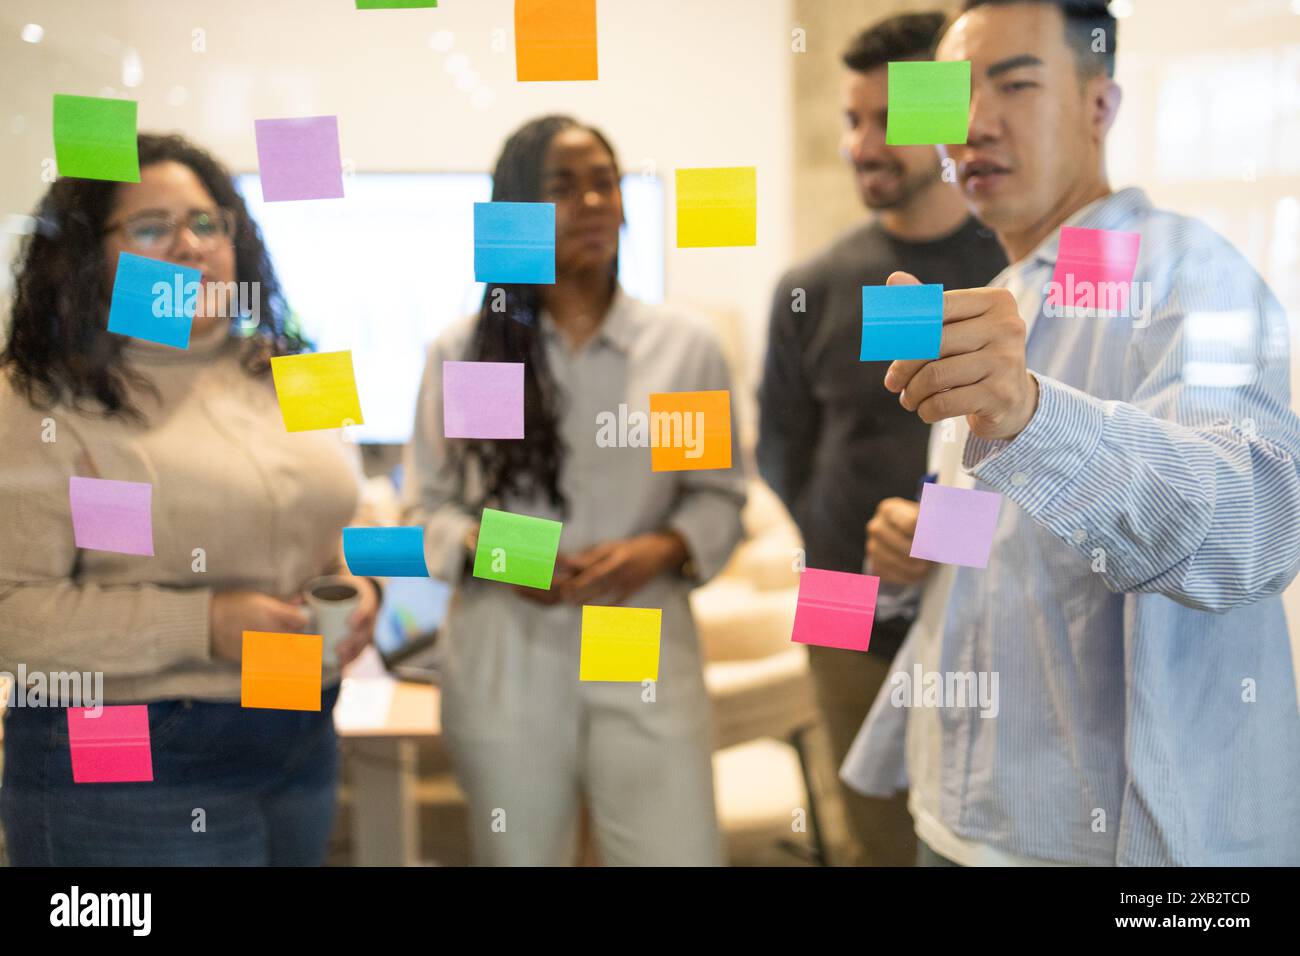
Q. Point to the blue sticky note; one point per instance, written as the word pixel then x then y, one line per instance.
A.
pixel 514 242
pixel 901 322
pixel 385 552
pixel 153 300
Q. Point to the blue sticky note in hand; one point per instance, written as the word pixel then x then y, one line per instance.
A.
pixel 901 322
pixel 153 300
pixel 514 242
pixel 385 552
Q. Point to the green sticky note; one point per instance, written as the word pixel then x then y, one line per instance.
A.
pixel 395 4
pixel 95 138
pixel 517 549
pixel 929 103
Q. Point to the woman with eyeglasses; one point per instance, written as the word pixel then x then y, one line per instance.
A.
pixel 530 742
pixel 243 513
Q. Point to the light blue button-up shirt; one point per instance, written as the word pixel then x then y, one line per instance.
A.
pixel 1130 605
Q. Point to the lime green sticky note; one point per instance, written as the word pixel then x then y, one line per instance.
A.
pixel 620 643
pixel 94 138
pixel 929 103
pixel 395 4
pixel 517 549
pixel 316 390
pixel 717 207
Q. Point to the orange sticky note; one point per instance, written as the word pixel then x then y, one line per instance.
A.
pixel 555 40
pixel 690 431
pixel 281 671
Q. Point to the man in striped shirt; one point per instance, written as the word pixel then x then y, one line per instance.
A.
pixel 1147 456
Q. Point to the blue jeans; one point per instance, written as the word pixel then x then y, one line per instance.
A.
pixel 264 779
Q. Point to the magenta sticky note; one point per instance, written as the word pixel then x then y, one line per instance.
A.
pixel 110 748
pixel 1090 266
pixel 483 399
pixel 112 515
pixel 956 525
pixel 835 609
pixel 298 158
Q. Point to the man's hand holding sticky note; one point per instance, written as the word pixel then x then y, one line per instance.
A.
pixel 980 372
pixel 901 322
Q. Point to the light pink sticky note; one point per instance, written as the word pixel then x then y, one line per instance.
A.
pixel 298 158
pixel 483 399
pixel 111 515
pixel 1090 264
pixel 836 609
pixel 956 525
pixel 110 748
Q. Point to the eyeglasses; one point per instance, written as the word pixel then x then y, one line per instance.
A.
pixel 156 231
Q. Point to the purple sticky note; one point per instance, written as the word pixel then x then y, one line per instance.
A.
pixel 956 525
pixel 111 515
pixel 298 158
pixel 110 748
pixel 1091 265
pixel 483 399
pixel 835 609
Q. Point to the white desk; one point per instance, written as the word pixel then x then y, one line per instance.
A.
pixel 380 749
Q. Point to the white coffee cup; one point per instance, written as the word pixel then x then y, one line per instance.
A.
pixel 330 602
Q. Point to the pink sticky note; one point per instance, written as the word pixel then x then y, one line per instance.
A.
pixel 298 158
pixel 956 525
pixel 483 399
pixel 1090 265
pixel 835 609
pixel 111 515
pixel 110 748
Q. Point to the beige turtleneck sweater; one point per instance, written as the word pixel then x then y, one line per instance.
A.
pixel 265 506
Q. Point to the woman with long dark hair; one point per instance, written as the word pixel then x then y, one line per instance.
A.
pixel 530 743
pixel 243 514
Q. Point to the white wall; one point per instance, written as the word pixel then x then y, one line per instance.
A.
pixel 682 83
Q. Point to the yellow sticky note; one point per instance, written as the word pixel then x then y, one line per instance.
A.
pixel 281 671
pixel 620 643
pixel 317 390
pixel 717 207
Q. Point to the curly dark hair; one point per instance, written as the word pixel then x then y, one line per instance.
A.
pixel 59 348
pixel 532 464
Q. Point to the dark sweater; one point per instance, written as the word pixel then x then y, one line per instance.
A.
pixel 833 442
